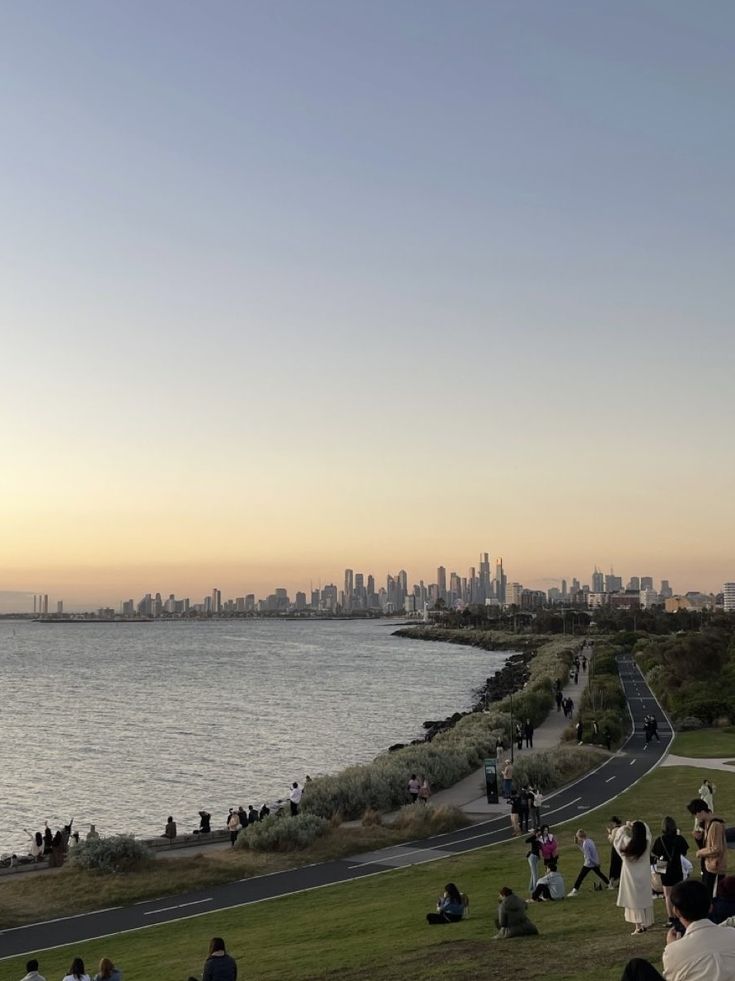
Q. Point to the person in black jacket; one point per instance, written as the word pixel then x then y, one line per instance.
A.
pixel 219 966
pixel 616 862
pixel 668 848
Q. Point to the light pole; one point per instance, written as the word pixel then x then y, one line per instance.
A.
pixel 512 740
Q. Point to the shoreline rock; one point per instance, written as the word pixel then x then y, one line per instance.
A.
pixel 507 680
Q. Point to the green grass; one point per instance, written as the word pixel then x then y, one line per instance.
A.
pixel 703 743
pixel 376 928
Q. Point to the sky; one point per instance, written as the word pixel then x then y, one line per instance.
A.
pixel 289 287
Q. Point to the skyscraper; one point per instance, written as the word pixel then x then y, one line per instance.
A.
pixel 500 581
pixel 598 581
pixel 349 586
pixel 441 582
pixel 728 597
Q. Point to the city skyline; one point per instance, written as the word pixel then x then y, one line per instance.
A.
pixel 487 580
pixel 319 283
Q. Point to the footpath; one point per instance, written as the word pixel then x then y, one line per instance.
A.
pixel 469 794
pixel 595 789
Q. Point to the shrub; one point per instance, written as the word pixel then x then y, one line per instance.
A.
pixel 688 723
pixel 119 853
pixel 278 833
pixel 423 820
pixel 556 767
pixel 371 818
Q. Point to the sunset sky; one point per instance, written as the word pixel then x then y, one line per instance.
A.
pixel 294 286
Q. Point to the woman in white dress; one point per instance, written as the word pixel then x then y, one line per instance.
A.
pixel 632 842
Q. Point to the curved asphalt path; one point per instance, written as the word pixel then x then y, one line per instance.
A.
pixel 617 774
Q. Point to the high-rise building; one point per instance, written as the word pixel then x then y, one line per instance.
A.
pixel 598 581
pixel 728 597
pixel 501 581
pixel 666 591
pixel 349 587
pixel 646 582
pixel 216 601
pixel 563 587
pixel 613 583
pixel 634 583
pixel 441 582
pixel 485 580
pixel 300 601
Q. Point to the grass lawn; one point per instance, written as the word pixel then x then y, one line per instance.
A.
pixel 702 743
pixel 376 928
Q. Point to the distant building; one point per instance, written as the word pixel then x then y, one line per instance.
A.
pixel 665 590
pixel 728 597
pixel 646 582
pixel 648 598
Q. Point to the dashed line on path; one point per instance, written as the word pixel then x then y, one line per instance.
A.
pixel 609 779
pixel 167 909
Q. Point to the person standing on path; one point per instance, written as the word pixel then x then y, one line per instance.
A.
pixel 580 732
pixel 591 862
pixel 559 698
pixel 528 733
pixel 413 788
pixel 425 790
pixel 507 774
pixel 233 826
pixel 294 798
pixel 633 843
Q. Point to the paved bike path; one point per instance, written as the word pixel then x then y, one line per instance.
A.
pixel 617 774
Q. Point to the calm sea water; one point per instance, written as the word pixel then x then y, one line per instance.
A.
pixel 123 724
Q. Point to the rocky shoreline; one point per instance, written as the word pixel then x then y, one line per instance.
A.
pixel 507 680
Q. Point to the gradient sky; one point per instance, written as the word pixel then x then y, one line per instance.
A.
pixel 291 286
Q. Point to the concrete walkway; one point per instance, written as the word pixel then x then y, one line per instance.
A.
pixel 469 794
pixel 721 763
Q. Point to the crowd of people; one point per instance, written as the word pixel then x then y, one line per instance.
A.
pixel 219 966
pixel 641 867
pixel 55 846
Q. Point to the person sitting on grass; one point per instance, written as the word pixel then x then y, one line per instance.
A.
pixel 76 971
pixel 449 907
pixel 108 971
pixel 703 951
pixel 549 886
pixel 219 966
pixel 32 969
pixel 512 919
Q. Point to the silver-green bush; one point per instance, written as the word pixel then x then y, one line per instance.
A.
pixel 118 853
pixel 279 833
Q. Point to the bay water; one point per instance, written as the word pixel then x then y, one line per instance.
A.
pixel 122 724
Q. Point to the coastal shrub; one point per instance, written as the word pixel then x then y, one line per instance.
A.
pixel 552 769
pixel 118 853
pixel 371 818
pixel 278 833
pixel 422 820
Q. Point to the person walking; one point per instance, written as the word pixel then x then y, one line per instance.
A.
pixel 580 732
pixel 525 807
pixel 515 812
pixel 413 788
pixel 519 735
pixel 632 841
pixel 666 854
pixel 591 861
pixel 559 698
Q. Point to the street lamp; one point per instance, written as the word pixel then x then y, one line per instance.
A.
pixel 512 740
